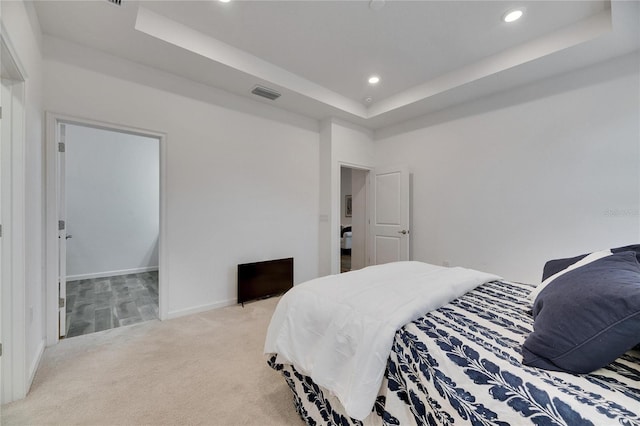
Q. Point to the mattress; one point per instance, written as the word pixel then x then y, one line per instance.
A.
pixel 462 364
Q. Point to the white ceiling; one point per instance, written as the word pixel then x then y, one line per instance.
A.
pixel 319 54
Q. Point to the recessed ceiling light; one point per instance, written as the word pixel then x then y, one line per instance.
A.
pixel 374 79
pixel 224 1
pixel 512 15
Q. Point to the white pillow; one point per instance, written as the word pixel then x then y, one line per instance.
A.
pixel 584 261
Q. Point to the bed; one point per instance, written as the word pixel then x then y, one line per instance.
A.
pixel 345 238
pixel 462 363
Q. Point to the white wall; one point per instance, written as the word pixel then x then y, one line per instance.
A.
pixel 23 32
pixel 112 202
pixel 242 177
pixel 325 204
pixel 352 146
pixel 341 144
pixel 508 182
pixel 345 189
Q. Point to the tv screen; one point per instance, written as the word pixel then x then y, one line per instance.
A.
pixel 259 280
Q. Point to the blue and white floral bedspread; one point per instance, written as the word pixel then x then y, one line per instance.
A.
pixel 461 364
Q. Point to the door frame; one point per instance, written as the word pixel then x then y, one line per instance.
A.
pixel 52 255
pixel 16 378
pixel 337 214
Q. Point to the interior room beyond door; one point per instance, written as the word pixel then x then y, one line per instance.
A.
pixel 111 205
pixel 354 233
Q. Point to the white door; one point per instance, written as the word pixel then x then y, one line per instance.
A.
pixel 390 218
pixel 6 97
pixel 62 235
pixel 359 224
pixel 4 138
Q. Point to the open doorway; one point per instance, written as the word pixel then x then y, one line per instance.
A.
pixel 109 192
pixel 353 218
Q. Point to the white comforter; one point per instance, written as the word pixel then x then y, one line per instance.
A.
pixel 339 329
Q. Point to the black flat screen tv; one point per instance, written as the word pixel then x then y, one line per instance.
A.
pixel 260 280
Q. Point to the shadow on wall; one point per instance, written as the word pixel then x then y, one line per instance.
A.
pixel 153 255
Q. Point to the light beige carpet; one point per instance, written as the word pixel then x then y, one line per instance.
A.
pixel 205 369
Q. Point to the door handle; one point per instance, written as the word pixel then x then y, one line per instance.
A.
pixel 68 236
pixel 403 232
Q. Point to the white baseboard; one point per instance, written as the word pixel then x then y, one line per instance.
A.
pixel 35 364
pixel 111 273
pixel 201 308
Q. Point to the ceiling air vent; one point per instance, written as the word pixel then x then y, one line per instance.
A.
pixel 265 93
pixel 116 2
